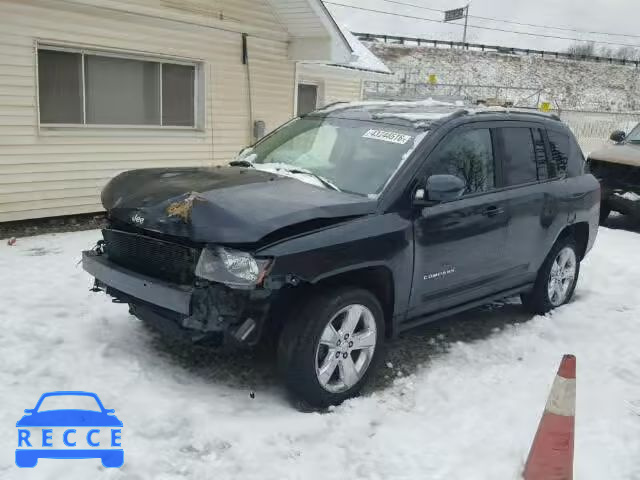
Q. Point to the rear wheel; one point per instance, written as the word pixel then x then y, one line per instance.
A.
pixel 557 278
pixel 331 345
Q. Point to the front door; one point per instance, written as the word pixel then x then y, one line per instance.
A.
pixel 460 245
pixel 307 98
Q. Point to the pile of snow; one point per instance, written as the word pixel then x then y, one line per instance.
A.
pixel 457 409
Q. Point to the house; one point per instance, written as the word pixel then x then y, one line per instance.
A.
pixel 90 88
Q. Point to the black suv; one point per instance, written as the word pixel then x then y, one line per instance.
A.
pixel 347 226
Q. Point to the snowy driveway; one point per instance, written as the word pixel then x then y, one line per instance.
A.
pixel 464 405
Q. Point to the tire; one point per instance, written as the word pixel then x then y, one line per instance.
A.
pixel 605 210
pixel 314 362
pixel 539 300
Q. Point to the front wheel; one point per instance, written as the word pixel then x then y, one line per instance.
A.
pixel 557 278
pixel 331 345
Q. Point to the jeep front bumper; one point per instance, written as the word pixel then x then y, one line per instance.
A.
pixel 206 312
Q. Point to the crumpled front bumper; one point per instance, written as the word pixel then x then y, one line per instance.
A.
pixel 208 312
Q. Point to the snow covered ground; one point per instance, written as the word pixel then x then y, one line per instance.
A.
pixel 460 399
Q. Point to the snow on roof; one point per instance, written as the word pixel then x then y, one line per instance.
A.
pixel 365 60
pixel 362 59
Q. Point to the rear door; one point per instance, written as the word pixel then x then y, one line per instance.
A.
pixel 459 245
pixel 531 184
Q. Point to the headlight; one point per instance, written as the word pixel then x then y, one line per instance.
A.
pixel 231 267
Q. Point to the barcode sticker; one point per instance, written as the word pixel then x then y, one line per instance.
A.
pixel 387 136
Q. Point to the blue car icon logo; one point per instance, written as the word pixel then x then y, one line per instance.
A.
pixel 68 433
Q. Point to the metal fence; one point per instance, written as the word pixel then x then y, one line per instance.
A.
pixel 592 129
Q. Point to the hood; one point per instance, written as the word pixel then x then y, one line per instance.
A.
pixel 623 153
pixel 223 204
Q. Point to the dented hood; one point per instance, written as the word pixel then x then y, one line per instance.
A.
pixel 223 204
pixel 623 153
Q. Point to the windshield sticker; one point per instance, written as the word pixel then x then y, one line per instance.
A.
pixel 387 136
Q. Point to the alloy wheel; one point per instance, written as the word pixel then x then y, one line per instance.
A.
pixel 562 276
pixel 346 348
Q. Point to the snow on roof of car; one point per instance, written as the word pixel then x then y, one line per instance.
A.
pixel 420 113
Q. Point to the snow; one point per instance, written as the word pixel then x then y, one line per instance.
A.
pixel 632 196
pixel 282 169
pixel 429 102
pixel 566 84
pixel 462 399
pixel 365 60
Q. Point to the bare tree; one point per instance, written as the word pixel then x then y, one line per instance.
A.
pixel 580 49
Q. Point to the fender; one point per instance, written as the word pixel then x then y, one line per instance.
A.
pixel 371 241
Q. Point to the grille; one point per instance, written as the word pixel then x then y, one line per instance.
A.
pixel 149 256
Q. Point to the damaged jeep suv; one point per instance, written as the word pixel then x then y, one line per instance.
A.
pixel 347 226
pixel 617 167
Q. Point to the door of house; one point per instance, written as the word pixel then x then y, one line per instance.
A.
pixel 307 98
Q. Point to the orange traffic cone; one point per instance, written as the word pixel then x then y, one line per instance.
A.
pixel 551 455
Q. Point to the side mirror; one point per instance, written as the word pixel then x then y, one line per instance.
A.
pixel 440 188
pixel 618 136
pixel 28 410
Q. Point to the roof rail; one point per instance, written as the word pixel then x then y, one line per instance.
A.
pixel 552 116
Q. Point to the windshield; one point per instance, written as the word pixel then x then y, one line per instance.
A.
pixel 69 402
pixel 634 135
pixel 355 156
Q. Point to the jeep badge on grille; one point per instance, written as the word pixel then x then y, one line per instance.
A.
pixel 136 218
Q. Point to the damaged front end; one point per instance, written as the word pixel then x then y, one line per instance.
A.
pixel 197 293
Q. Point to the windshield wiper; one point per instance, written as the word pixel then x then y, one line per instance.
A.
pixel 320 178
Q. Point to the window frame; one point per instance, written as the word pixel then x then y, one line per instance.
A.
pixel 199 92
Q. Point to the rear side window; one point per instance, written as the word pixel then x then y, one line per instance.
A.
pixel 468 155
pixel 519 156
pixel 560 149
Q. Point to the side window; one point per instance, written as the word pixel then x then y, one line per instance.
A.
pixel 541 154
pixel 559 144
pixel 519 156
pixel 468 155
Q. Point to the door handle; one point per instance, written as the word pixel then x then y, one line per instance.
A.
pixel 492 211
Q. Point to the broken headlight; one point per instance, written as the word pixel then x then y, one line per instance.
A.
pixel 231 267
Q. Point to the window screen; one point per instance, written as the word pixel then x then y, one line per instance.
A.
pixel 519 156
pixel 114 90
pixel 468 155
pixel 60 86
pixel 559 144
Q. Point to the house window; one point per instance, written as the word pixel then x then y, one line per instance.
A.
pixel 77 87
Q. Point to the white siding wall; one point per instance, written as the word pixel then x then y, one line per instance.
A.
pixel 57 172
pixel 334 84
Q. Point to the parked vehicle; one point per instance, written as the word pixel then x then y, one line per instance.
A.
pixel 347 226
pixel 617 167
